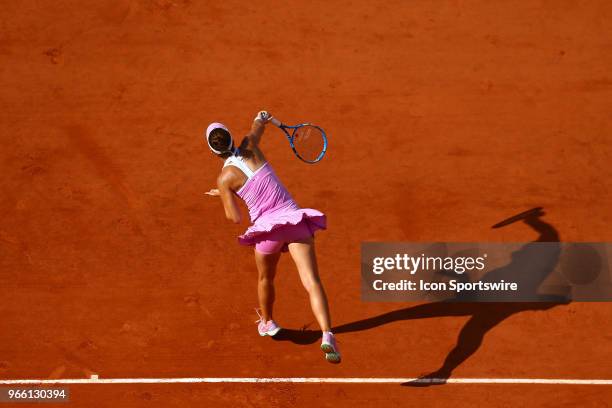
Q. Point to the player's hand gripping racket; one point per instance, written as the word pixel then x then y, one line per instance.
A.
pixel 308 142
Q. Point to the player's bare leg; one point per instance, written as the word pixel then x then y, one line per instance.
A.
pixel 303 254
pixel 266 266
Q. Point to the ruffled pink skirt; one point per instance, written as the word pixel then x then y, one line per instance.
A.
pixel 267 223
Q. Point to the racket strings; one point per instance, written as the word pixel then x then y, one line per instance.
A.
pixel 309 142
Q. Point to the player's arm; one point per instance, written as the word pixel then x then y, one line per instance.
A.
pixel 224 183
pixel 258 127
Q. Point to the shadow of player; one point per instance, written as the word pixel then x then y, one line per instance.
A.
pixel 525 268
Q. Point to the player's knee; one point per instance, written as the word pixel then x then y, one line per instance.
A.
pixel 266 276
pixel 311 284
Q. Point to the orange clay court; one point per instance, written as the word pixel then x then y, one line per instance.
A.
pixel 443 117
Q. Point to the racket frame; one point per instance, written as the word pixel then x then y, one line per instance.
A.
pixel 290 134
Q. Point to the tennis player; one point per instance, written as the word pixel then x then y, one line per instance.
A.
pixel 278 223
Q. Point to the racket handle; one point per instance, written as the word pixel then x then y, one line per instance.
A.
pixel 275 122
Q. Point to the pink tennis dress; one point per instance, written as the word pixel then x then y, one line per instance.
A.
pixel 276 219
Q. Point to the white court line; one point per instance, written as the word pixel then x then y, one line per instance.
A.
pixel 309 380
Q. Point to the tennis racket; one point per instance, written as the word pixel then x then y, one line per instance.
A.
pixel 308 141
